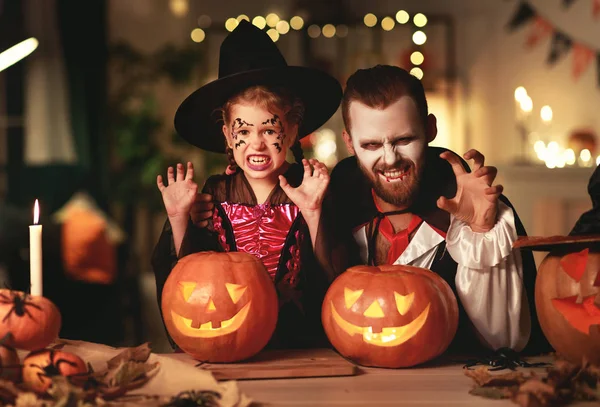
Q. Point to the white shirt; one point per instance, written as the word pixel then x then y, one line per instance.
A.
pixel 489 276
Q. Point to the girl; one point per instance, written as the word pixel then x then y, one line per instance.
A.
pixel 263 205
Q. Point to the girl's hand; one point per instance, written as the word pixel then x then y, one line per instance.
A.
pixel 309 195
pixel 180 193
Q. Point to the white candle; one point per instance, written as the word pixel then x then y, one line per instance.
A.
pixel 35 252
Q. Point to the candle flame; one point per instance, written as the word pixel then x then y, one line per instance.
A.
pixel 36 212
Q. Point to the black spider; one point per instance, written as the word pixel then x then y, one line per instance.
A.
pixel 53 368
pixel 20 304
pixel 503 358
pixel 194 398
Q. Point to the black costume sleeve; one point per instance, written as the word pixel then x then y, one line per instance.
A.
pixel 164 256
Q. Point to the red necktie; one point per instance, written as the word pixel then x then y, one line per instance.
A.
pixel 398 241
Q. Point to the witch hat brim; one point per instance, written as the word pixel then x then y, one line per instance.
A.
pixel 585 233
pixel 198 119
pixel 248 57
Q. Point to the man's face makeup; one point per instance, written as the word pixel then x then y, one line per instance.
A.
pixel 259 140
pixel 389 145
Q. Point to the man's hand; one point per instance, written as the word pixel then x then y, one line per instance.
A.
pixel 476 200
pixel 309 195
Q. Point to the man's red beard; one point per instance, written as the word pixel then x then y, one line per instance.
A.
pixel 398 193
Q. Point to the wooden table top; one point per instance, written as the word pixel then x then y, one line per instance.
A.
pixel 439 384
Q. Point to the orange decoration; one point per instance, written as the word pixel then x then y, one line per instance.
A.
pixel 40 366
pixel 220 307
pixel 87 252
pixel 33 321
pixel 390 315
pixel 581 139
pixel 567 294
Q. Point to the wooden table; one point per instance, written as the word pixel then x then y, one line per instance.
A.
pixel 441 384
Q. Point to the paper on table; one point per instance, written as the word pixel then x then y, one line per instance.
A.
pixel 173 376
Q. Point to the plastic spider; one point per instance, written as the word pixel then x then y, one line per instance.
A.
pixel 194 399
pixel 20 304
pixel 503 358
pixel 53 368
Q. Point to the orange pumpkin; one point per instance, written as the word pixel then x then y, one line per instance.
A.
pixel 33 321
pixel 40 366
pixel 390 315
pixel 567 299
pixel 220 307
pixel 10 368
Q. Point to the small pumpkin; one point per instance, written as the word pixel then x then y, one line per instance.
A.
pixel 390 315
pixel 567 299
pixel 220 307
pixel 40 366
pixel 33 321
pixel 10 368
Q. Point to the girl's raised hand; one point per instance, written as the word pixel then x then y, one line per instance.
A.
pixel 309 195
pixel 180 192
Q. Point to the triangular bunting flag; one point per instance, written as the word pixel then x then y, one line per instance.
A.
pixel 561 44
pixel 540 30
pixel 523 14
pixel 568 3
pixel 596 8
pixel 582 56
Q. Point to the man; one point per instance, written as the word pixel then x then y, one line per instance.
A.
pixel 407 203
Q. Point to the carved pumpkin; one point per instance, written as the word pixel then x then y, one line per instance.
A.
pixel 33 321
pixel 220 307
pixel 567 299
pixel 390 315
pixel 10 367
pixel 40 366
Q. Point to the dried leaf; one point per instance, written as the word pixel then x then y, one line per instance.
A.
pixel 128 372
pixel 482 377
pixel 27 399
pixel 138 354
pixel 491 392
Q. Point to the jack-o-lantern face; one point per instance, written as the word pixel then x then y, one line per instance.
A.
pixel 389 335
pixel 390 316
pixel 568 303
pixel 213 321
pixel 220 307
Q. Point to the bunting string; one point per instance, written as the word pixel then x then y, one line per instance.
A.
pixel 561 44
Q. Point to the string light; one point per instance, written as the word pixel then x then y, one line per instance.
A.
pixel 282 27
pixel 314 31
pixel 341 30
pixel 388 23
pixel 420 20
pixel 328 30
pixel 198 35
pixel 273 34
pixel 402 17
pixel 370 20
pixel 417 58
pixel 297 22
pixel 259 21
pixel 272 19
pixel 417 72
pixel 419 37
pixel 242 17
pixel 230 24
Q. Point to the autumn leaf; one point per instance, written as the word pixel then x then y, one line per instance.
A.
pixel 8 392
pixel 138 354
pixel 482 377
pixel 496 393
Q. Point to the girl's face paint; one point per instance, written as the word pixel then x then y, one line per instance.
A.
pixel 259 140
pixel 389 145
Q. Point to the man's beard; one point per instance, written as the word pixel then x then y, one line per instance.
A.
pixel 398 193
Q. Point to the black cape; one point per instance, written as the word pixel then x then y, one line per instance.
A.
pixel 299 323
pixel 349 204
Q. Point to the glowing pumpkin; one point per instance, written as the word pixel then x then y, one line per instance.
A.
pixel 390 315
pixel 40 366
pixel 33 321
pixel 567 299
pixel 220 307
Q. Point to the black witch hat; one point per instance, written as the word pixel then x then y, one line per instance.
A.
pixel 585 233
pixel 249 57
